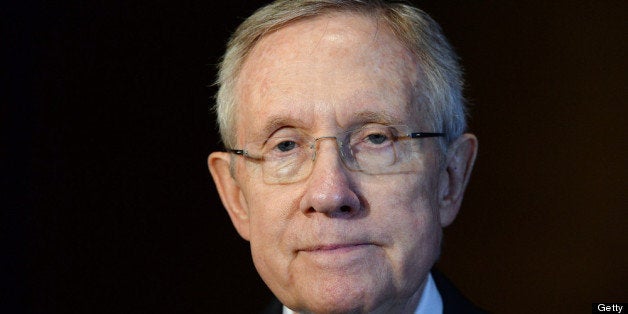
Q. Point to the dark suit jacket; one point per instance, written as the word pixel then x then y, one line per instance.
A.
pixel 453 300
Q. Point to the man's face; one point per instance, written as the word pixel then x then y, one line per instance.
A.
pixel 339 239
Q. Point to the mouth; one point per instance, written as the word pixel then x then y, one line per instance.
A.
pixel 337 251
pixel 338 255
pixel 330 248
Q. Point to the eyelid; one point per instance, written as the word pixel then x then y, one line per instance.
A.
pixel 275 123
pixel 286 132
pixel 371 125
pixel 285 128
pixel 274 135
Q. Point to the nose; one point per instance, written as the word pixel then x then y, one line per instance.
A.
pixel 330 190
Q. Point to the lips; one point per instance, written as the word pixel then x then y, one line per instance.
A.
pixel 337 256
pixel 335 247
pixel 340 256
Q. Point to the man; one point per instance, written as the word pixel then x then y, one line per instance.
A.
pixel 343 122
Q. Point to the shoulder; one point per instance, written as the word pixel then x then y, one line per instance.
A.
pixel 274 307
pixel 453 300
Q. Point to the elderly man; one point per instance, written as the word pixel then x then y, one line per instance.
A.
pixel 343 122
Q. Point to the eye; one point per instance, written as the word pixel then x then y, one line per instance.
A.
pixel 377 135
pixel 285 146
pixel 377 138
pixel 282 147
pixel 372 137
pixel 283 142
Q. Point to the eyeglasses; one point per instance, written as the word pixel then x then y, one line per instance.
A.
pixel 373 149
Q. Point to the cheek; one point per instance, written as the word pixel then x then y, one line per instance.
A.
pixel 416 242
pixel 269 225
pixel 270 210
pixel 405 210
pixel 401 195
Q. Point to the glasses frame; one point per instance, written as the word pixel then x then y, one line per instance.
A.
pixel 412 135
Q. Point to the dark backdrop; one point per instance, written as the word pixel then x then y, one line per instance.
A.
pixel 109 208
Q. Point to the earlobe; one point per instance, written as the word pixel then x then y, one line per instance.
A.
pixel 455 175
pixel 219 164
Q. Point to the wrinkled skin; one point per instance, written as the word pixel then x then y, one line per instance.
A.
pixel 339 241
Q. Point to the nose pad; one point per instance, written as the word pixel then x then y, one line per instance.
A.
pixel 314 146
pixel 330 189
pixel 338 145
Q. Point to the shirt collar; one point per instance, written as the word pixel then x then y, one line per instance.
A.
pixel 431 301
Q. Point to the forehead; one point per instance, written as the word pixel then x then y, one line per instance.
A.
pixel 331 71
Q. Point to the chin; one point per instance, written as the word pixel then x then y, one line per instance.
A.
pixel 351 306
pixel 339 297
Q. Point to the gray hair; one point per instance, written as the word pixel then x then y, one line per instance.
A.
pixel 440 90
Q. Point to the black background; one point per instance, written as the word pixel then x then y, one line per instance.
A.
pixel 109 207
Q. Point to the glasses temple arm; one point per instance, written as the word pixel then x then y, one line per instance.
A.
pixel 425 134
pixel 237 151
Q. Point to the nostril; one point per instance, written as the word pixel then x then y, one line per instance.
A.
pixel 345 209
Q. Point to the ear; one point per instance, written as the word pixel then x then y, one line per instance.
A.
pixel 219 164
pixel 454 176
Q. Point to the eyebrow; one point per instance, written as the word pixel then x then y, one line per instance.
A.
pixel 358 119
pixel 277 121
pixel 363 117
